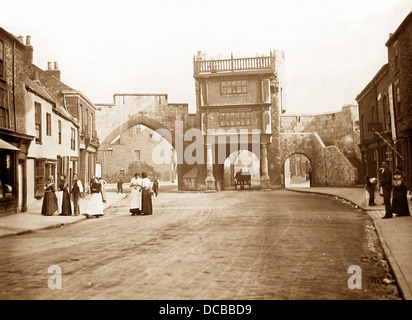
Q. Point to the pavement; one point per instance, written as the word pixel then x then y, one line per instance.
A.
pixel 394 234
pixel 32 220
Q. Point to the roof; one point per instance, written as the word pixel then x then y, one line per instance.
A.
pixel 37 88
pixel 382 72
pixel 395 35
pixel 11 36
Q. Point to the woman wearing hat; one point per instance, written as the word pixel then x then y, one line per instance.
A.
pixel 49 206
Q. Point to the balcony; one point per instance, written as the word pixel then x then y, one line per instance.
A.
pixel 234 65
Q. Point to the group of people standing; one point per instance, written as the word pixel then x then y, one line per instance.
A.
pixel 392 186
pixel 141 193
pixel 65 200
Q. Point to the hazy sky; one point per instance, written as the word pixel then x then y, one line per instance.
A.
pixel 333 48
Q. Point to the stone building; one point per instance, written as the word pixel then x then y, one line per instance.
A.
pixel 238 106
pixel 138 145
pixel 335 129
pixel 128 128
pixel 385 107
pixel 14 140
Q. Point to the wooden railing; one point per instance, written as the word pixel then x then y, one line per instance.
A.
pixel 231 65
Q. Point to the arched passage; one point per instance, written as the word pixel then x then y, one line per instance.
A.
pixel 241 160
pixel 167 133
pixel 140 144
pixel 297 170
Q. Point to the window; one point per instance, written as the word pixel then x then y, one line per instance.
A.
pixel 1 59
pixel 235 119
pixel 86 129
pixel 59 128
pixel 137 155
pixel 37 121
pixel 73 139
pixel 4 109
pixel 91 125
pixel 48 124
pixel 233 87
pixel 398 101
pixel 396 53
pixel 7 170
pixel 39 174
pixel 384 107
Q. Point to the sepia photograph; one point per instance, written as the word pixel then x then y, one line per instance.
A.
pixel 205 158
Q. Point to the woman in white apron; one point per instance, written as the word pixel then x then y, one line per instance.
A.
pixel 95 205
pixel 135 195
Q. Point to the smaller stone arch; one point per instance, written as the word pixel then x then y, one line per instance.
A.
pixel 306 170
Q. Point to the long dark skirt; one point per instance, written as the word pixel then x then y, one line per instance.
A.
pixel 66 205
pixel 400 201
pixel 146 202
pixel 49 206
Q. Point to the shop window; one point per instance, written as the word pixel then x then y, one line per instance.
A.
pixel 7 173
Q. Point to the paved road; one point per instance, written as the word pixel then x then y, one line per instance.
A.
pixel 226 245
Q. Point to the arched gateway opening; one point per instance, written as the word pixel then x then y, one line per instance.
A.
pixel 242 161
pixel 140 144
pixel 298 171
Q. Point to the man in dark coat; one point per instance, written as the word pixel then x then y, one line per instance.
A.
pixel 385 182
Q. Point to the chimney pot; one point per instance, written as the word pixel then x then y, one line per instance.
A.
pixel 56 66
pixel 36 76
pixel 49 66
pixel 28 40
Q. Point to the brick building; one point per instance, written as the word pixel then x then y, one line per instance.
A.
pixel 385 107
pixel 14 140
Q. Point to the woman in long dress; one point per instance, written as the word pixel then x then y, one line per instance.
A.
pixel 66 204
pixel 399 197
pixel 95 205
pixel 135 195
pixel 49 206
pixel 146 195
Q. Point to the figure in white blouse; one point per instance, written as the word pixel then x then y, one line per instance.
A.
pixel 135 195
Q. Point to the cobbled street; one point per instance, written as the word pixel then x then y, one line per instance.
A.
pixel 262 245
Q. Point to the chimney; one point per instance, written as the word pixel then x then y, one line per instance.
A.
pixel 28 51
pixel 21 39
pixel 36 76
pixel 53 72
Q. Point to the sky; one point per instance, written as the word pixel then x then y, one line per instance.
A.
pixel 333 48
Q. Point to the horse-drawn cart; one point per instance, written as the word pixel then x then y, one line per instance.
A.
pixel 242 179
